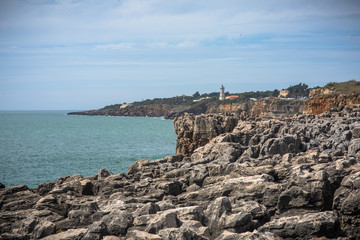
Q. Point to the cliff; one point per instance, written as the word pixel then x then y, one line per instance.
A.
pixel 333 95
pixel 289 178
pixel 266 105
pixel 194 131
pixel 263 108
pixel 268 108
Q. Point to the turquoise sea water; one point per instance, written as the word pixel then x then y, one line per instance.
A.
pixel 41 146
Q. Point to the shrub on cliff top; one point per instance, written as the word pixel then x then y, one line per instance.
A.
pixel 348 87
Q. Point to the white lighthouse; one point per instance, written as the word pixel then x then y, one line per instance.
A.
pixel 222 93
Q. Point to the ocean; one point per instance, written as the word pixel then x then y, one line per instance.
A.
pixel 41 146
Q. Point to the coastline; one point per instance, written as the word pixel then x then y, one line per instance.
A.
pixel 270 108
pixel 292 177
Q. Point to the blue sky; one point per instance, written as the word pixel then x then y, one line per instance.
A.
pixel 85 54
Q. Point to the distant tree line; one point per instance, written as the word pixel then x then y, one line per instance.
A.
pixel 299 90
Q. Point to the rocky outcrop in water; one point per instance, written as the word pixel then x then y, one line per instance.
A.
pixel 291 178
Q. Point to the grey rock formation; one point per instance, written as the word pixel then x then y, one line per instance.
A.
pixel 290 178
pixel 321 224
pixel 194 131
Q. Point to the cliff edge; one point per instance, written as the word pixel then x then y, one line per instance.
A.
pixel 333 96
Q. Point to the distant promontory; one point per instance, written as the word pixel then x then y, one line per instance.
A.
pixel 293 100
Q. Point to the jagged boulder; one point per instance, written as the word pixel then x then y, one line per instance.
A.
pixel 164 220
pixel 214 212
pixel 96 230
pixel 322 224
pixel 226 235
pixel 70 234
pixel 181 233
pixel 307 188
pixel 137 166
pixel 140 235
pixel 354 148
pixel 347 202
pixel 117 222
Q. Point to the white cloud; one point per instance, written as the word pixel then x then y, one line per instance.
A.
pixel 182 44
pixel 176 23
pixel 117 46
pixel 182 41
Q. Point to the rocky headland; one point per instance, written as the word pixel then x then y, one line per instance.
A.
pixel 260 108
pixel 299 100
pixel 287 178
pixel 259 104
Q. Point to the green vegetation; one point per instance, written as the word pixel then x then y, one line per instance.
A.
pixel 179 100
pixel 111 107
pixel 211 95
pixel 348 87
pixel 298 91
pixel 196 95
pixel 199 103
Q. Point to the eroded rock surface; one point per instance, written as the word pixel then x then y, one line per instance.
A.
pixel 194 131
pixel 290 178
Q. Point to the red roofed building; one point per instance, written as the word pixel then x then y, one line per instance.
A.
pixel 232 97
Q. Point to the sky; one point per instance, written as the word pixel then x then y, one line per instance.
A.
pixel 86 54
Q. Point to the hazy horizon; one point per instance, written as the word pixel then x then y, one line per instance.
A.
pixel 79 55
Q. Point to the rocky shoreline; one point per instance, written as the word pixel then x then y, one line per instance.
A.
pixel 285 178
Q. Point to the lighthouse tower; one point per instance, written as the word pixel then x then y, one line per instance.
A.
pixel 222 93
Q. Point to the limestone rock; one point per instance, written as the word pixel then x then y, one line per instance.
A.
pixel 149 208
pixel 226 235
pixel 103 173
pixel 140 235
pixel 322 224
pixel 111 237
pixel 71 234
pixel 291 178
pixel 117 222
pixel 43 229
pixel 354 148
pixel 96 230
pixel 180 233
pixel 347 202
pixel 136 167
pixel 197 227
pixel 164 220
pixel 214 212
pixel 195 131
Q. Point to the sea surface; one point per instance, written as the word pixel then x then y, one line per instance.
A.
pixel 41 146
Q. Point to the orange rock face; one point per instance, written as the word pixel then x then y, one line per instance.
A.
pixel 323 103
